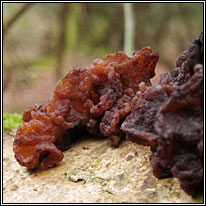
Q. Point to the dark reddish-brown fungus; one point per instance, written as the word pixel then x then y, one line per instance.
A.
pixel 95 98
pixel 179 125
pixel 139 124
pixel 179 122
pixel 169 118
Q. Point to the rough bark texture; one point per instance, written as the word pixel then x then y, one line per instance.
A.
pixel 91 172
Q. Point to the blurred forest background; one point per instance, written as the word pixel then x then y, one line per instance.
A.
pixel 42 41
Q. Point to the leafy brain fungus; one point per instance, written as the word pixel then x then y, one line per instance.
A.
pixel 113 97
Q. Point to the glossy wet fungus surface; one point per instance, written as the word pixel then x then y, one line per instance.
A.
pixel 114 98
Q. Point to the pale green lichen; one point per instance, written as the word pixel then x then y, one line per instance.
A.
pixel 100 149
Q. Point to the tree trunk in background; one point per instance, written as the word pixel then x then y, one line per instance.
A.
pixel 7 25
pixel 128 28
pixel 61 42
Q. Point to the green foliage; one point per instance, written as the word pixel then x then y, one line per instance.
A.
pixel 11 121
pixel 100 25
pixel 98 28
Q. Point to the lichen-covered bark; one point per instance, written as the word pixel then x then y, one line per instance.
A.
pixel 91 172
